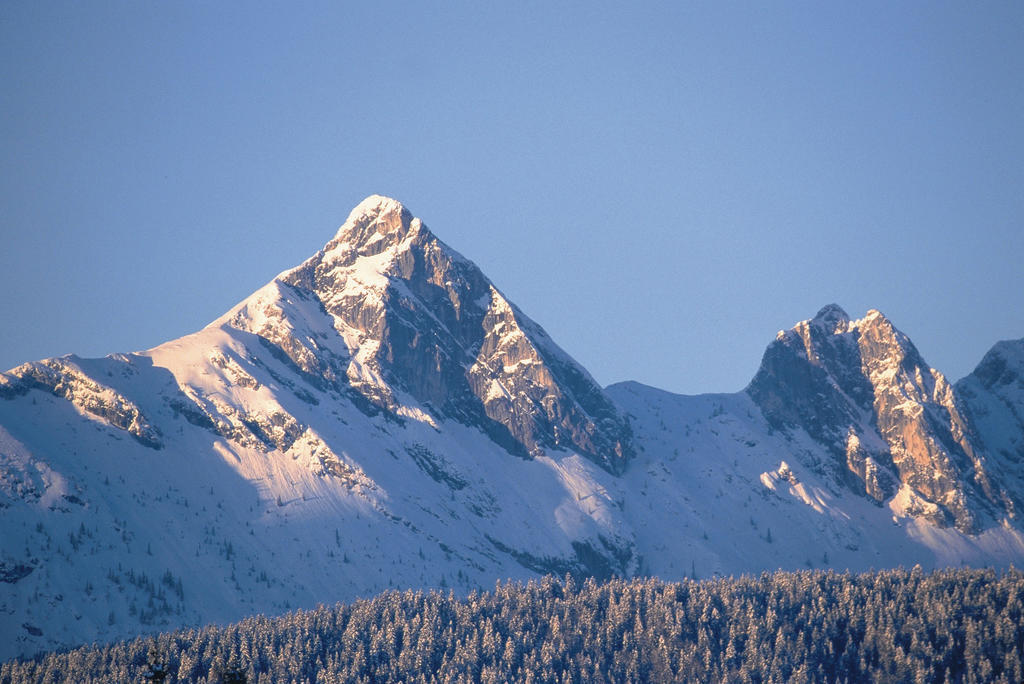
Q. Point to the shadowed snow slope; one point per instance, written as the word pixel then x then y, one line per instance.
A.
pixel 381 416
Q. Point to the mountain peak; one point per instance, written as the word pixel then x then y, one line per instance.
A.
pixel 873 317
pixel 419 329
pixel 374 218
pixel 832 318
pixel 1003 365
pixel 861 389
pixel 375 205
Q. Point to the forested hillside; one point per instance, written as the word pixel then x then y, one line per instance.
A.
pixel 893 625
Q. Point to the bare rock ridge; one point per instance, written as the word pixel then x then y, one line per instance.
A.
pixel 65 379
pixel 890 421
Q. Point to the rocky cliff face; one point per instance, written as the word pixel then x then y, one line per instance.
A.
pixel 891 422
pixel 419 322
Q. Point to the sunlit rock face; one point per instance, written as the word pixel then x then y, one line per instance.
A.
pixel 419 320
pixel 65 379
pixel 862 389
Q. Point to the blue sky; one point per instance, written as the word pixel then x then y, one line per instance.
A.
pixel 662 187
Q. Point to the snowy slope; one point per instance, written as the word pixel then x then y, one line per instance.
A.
pixel 292 452
pixel 382 416
pixel 721 492
pixel 993 397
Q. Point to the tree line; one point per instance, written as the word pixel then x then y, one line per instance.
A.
pixel 811 626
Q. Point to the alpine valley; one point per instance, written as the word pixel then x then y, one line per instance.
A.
pixel 382 416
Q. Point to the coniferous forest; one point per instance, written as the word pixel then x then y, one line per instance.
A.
pixel 812 626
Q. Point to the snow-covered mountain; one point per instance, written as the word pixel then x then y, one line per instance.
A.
pixel 892 424
pixel 381 416
pixel 993 399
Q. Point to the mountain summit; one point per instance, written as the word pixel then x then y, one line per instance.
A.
pixel 891 422
pixel 420 328
pixel 382 416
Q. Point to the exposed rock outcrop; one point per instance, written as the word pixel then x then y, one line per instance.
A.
pixel 862 389
pixel 419 320
pixel 62 378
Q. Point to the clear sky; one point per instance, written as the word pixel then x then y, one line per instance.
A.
pixel 662 186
